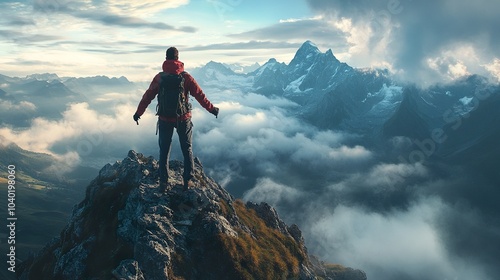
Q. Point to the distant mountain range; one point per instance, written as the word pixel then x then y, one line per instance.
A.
pixel 43 200
pixel 47 95
pixel 331 95
pixel 455 124
pixel 370 102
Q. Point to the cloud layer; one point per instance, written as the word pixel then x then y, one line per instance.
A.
pixel 355 205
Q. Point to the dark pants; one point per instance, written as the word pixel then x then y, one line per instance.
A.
pixel 185 132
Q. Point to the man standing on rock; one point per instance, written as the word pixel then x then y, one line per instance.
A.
pixel 173 70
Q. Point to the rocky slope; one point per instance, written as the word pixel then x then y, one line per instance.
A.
pixel 126 229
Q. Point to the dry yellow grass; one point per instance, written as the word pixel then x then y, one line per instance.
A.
pixel 264 254
pixel 335 267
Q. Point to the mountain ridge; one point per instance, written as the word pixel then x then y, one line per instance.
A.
pixel 126 229
pixel 366 101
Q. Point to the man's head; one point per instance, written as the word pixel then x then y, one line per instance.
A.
pixel 172 53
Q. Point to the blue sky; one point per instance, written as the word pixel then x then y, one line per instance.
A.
pixel 422 40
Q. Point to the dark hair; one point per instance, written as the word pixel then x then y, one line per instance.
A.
pixel 172 53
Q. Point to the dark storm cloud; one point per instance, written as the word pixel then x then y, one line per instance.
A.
pixel 423 29
pixel 354 8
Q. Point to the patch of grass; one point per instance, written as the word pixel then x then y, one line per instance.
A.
pixel 264 254
pixel 226 209
pixel 179 267
pixel 335 268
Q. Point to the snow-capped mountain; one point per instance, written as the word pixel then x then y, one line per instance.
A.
pixel 242 69
pixel 270 78
pixel 331 93
pixel 369 102
pixel 334 95
pixel 218 76
pixel 97 84
pixel 407 120
pixel 27 98
pixel 44 77
pixel 311 71
pixel 473 135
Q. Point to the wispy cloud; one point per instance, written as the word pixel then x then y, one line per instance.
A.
pixel 117 47
pixel 298 30
pixel 20 21
pixel 107 18
pixel 113 12
pixel 142 8
pixel 249 45
pixel 23 38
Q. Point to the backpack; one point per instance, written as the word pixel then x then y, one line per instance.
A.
pixel 172 102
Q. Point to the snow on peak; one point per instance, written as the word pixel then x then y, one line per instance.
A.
pixel 43 77
pixel 309 48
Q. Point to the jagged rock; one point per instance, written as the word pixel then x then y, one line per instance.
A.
pixel 128 270
pixel 335 271
pixel 126 229
pixel 269 215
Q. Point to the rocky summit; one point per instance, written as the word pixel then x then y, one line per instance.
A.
pixel 125 228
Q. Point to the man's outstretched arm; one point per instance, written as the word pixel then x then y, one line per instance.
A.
pixel 148 96
pixel 195 90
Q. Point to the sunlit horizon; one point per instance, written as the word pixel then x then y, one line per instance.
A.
pixel 116 38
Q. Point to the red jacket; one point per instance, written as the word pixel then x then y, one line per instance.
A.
pixel 190 87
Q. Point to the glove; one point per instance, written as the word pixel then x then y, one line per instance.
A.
pixel 136 118
pixel 215 111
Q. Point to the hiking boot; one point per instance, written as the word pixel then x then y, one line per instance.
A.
pixel 163 187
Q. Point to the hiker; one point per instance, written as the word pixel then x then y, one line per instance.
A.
pixel 181 119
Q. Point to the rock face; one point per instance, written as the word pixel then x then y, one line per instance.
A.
pixel 126 229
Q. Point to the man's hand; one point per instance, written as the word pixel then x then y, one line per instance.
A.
pixel 215 111
pixel 136 118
